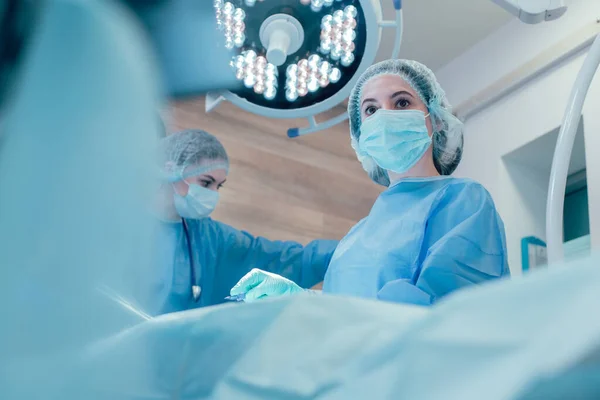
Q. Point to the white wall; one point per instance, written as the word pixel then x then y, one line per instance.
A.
pixel 530 112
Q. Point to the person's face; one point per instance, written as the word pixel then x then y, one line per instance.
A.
pixel 390 92
pixel 211 180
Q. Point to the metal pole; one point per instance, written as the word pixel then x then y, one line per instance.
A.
pixel 562 154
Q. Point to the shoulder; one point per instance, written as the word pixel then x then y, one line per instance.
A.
pixel 467 190
pixel 464 197
pixel 205 225
pixel 216 230
pixel 208 223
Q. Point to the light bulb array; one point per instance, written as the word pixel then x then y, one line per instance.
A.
pixel 256 73
pixel 317 5
pixel 338 31
pixel 251 3
pixel 319 69
pixel 308 75
pixel 230 20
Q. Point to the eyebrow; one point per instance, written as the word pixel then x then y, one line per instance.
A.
pixel 369 99
pixel 210 178
pixel 404 92
pixel 401 92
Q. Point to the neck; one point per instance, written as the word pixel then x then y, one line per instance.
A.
pixel 424 168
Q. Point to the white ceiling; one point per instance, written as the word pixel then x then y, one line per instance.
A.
pixel 437 31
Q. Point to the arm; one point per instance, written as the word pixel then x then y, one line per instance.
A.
pixel 464 244
pixel 239 252
pixel 222 256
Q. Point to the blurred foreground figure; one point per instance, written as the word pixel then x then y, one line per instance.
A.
pixel 77 135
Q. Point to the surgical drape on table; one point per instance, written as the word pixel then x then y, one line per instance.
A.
pixel 516 339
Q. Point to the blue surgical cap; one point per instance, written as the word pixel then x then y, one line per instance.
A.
pixel 192 148
pixel 447 129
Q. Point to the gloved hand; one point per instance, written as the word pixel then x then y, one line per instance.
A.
pixel 258 284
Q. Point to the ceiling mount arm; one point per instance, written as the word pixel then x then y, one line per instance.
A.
pixel 534 11
pixel 562 154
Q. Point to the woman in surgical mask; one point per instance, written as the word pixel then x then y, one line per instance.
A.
pixel 199 259
pixel 429 233
pixel 195 168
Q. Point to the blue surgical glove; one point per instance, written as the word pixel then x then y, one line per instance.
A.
pixel 258 284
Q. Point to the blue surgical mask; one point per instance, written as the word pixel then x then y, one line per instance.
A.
pixel 198 203
pixel 395 139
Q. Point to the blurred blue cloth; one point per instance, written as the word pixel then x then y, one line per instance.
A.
pixel 496 342
pixel 222 256
pixel 424 238
pixel 83 117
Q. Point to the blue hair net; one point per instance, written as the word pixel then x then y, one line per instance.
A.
pixel 447 129
pixel 192 148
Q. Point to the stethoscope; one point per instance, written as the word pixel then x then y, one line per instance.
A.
pixel 196 290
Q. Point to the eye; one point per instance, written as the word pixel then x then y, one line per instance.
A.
pixel 220 186
pixel 370 110
pixel 402 103
pixel 205 184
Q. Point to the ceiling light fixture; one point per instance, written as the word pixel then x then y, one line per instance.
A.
pixel 299 58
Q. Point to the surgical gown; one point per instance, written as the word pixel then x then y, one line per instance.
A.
pixel 221 255
pixel 424 238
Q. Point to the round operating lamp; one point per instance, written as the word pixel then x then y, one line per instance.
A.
pixel 298 58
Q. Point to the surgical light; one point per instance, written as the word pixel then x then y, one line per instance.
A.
pixel 308 76
pixel 298 58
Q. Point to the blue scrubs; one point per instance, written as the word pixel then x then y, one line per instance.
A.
pixel 424 238
pixel 222 255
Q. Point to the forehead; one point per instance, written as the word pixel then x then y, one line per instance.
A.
pixel 219 174
pixel 383 86
pixel 216 169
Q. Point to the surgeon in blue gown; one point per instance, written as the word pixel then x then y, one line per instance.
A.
pixel 199 259
pixel 429 233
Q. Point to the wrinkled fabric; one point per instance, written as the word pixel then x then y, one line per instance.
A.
pixel 424 238
pixel 222 256
pixel 525 339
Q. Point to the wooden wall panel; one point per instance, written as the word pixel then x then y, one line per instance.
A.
pixel 289 189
